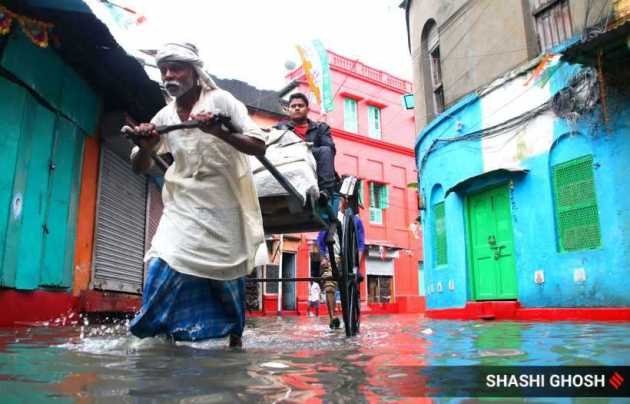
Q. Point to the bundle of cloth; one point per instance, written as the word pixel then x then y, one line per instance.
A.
pixel 292 156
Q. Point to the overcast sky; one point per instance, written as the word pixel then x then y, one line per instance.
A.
pixel 251 40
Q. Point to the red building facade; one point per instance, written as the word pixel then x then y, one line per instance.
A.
pixel 374 137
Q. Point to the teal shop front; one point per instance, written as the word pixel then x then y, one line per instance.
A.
pixel 46 110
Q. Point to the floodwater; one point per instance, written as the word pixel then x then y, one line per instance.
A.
pixel 293 359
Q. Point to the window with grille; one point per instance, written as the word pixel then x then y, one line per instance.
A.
pixel 432 70
pixel 350 116
pixel 379 200
pixel 379 288
pixel 436 79
pixel 577 216
pixel 271 271
pixel 553 22
pixel 439 234
pixel 374 122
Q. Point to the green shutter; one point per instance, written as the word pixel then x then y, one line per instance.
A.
pixel 371 120
pixel 376 213
pixel 41 69
pixel 439 234
pixel 577 215
pixel 376 216
pixel 13 107
pixel 372 195
pixel 384 196
pixel 350 115
pixel 65 182
pixel 58 83
pixel 374 122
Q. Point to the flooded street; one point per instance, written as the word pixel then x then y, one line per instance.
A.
pixel 292 359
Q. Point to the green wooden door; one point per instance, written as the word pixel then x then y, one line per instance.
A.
pixel 12 105
pixel 492 245
pixel 35 156
pixel 63 199
pixel 41 148
pixel 40 157
pixel 29 196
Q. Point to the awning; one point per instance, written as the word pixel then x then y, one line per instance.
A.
pixel 470 181
pixel 87 44
pixel 613 44
pixel 383 252
pixel 384 243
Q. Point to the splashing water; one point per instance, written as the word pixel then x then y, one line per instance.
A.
pixel 293 359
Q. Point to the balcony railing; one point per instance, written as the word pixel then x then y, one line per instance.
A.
pixel 354 66
pixel 371 73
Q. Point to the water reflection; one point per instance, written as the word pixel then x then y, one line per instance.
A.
pixel 291 359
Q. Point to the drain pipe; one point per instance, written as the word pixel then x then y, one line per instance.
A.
pixel 280 276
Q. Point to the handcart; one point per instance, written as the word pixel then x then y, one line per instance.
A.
pixel 295 212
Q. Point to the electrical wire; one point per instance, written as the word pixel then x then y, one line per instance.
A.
pixel 470 27
pixel 491 131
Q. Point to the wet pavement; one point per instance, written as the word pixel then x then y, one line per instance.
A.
pixel 293 359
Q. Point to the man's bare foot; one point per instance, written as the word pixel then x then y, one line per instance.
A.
pixel 236 341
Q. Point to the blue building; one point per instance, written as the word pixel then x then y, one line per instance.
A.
pixel 525 189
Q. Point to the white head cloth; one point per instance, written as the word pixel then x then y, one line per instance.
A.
pixel 186 53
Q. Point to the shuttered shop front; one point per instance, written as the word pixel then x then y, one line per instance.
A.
pixel 154 209
pixel 120 226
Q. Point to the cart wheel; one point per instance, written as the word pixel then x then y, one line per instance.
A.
pixel 349 281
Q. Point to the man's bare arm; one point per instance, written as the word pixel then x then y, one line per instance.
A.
pixel 148 141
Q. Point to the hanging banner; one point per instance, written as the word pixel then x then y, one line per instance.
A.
pixel 36 30
pixel 317 71
pixel 127 25
pixel 124 17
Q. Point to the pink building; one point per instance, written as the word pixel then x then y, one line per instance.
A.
pixel 374 135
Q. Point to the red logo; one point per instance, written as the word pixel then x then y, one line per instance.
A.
pixel 616 380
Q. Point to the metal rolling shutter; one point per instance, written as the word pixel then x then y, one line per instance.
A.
pixel 120 226
pixel 154 213
pixel 154 209
pixel 375 266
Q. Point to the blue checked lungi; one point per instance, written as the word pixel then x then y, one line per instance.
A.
pixel 189 308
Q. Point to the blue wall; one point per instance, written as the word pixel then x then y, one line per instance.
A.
pixel 535 229
pixel 535 234
pixel 443 169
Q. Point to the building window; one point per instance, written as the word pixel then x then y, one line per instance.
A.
pixel 553 22
pixel 374 122
pixel 431 62
pixel 273 272
pixel 436 79
pixel 577 216
pixel 361 193
pixel 379 200
pixel 379 289
pixel 439 234
pixel 350 116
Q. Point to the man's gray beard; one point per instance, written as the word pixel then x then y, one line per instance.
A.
pixel 179 88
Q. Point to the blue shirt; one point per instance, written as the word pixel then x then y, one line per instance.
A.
pixel 358 226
